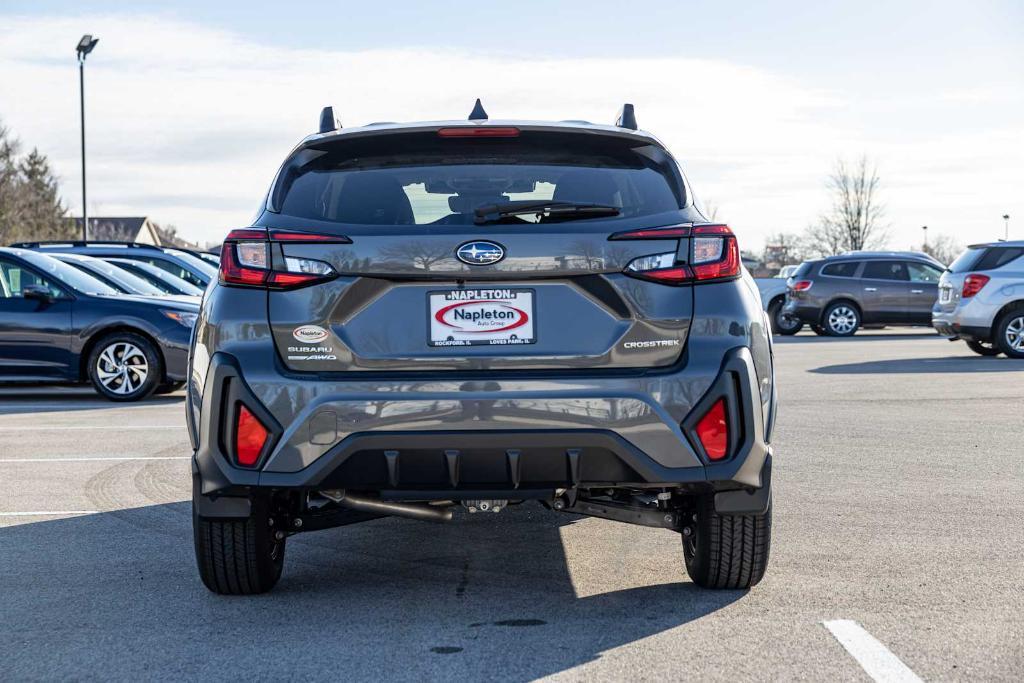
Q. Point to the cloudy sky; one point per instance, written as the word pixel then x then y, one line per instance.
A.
pixel 192 105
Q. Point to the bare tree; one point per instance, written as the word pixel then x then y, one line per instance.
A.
pixel 855 220
pixel 420 254
pixel 783 249
pixel 711 210
pixel 943 248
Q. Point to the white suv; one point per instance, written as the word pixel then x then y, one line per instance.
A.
pixel 981 299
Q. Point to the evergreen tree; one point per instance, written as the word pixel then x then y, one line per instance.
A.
pixel 42 211
pixel 30 204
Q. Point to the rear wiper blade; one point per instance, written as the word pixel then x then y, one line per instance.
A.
pixel 490 213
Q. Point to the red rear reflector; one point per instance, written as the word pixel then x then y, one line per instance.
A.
pixel 479 132
pixel 973 284
pixel 713 431
pixel 250 436
pixel 653 233
pixel 728 266
pixel 802 285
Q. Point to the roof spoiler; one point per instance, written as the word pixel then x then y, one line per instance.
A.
pixel 627 117
pixel 327 121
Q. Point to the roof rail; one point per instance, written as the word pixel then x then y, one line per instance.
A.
pixel 478 113
pixel 327 121
pixel 627 117
pixel 80 243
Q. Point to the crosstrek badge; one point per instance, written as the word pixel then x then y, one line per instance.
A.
pixel 309 334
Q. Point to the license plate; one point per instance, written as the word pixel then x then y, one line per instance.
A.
pixel 481 317
pixel 945 294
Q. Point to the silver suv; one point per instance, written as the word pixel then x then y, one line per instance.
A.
pixel 981 299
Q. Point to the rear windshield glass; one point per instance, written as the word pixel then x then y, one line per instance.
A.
pixel 966 260
pixel 427 180
pixel 842 269
pixel 997 257
pixel 803 270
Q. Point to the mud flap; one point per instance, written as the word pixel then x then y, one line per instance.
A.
pixel 747 501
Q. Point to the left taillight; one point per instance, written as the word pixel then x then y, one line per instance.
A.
pixel 247 259
pixel 250 437
pixel 714 255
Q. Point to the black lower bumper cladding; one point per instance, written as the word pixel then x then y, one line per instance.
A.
pixel 467 464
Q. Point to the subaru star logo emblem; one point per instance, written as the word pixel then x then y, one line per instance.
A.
pixel 480 253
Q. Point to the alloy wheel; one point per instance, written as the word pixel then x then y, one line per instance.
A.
pixel 122 368
pixel 842 320
pixel 1015 334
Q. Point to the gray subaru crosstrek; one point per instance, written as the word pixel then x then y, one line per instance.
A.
pixel 471 315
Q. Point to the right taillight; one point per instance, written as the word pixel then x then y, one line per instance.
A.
pixel 245 259
pixel 714 255
pixel 973 284
pixel 801 285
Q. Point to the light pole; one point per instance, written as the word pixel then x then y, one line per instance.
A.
pixel 85 46
pixel 1006 223
pixel 925 229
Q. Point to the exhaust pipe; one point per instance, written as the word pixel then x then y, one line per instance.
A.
pixel 425 513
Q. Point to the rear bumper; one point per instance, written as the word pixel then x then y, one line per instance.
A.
pixel 492 452
pixel 808 314
pixel 955 326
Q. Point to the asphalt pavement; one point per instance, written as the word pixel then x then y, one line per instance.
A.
pixel 898 542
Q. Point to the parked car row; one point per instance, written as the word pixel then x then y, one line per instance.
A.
pixel 116 315
pixel 979 298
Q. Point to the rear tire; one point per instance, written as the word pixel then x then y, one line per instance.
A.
pixel 1009 332
pixel 841 319
pixel 983 348
pixel 238 556
pixel 783 324
pixel 727 551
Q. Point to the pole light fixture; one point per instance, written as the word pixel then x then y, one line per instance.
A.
pixel 84 47
pixel 1006 226
pixel 924 228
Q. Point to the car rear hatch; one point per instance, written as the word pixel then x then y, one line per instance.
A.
pixel 407 253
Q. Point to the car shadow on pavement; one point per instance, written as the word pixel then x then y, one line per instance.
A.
pixel 950 364
pixel 811 338
pixel 42 399
pixel 117 595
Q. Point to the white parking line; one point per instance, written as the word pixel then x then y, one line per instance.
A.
pixel 49 513
pixel 100 458
pixel 65 429
pixel 876 659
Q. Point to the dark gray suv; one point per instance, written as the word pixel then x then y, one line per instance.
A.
pixel 470 315
pixel 837 295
